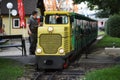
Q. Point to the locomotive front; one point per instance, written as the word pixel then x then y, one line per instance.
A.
pixel 54 40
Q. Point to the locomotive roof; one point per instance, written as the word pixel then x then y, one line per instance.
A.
pixel 56 12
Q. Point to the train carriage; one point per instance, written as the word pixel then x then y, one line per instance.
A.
pixel 61 38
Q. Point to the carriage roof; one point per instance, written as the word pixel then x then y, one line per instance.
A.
pixel 82 17
pixel 76 15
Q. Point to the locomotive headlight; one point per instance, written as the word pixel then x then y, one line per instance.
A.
pixel 50 29
pixel 61 50
pixel 39 50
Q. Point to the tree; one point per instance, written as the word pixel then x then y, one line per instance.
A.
pixel 102 14
pixel 110 6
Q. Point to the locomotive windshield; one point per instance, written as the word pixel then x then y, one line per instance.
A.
pixel 56 19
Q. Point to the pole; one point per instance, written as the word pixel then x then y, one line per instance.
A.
pixel 24 41
pixel 9 22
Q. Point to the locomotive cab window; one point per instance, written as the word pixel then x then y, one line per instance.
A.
pixel 56 19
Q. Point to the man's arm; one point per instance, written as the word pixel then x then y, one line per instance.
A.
pixel 28 27
pixel 29 31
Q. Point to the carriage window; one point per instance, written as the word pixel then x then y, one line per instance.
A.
pixel 56 19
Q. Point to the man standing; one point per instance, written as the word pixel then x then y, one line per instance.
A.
pixel 32 31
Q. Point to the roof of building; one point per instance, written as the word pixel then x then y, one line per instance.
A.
pixel 29 5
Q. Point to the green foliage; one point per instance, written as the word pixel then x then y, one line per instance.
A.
pixel 102 14
pixel 113 26
pixel 111 6
pixel 108 41
pixel 105 74
pixel 9 69
pixel 106 28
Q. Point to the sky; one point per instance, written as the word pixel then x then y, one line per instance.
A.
pixel 83 9
pixel 67 5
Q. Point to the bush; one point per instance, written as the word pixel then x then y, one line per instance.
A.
pixel 113 26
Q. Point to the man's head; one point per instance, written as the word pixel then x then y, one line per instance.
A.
pixel 59 20
pixel 34 14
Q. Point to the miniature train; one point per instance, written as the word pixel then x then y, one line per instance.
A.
pixel 62 37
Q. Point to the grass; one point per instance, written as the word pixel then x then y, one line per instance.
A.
pixel 9 69
pixel 101 32
pixel 108 41
pixel 104 74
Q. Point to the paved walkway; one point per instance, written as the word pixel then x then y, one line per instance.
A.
pixel 97 56
pixel 16 54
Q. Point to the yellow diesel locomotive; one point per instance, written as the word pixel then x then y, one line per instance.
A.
pixel 61 38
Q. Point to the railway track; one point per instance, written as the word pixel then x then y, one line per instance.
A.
pixel 59 75
pixel 75 72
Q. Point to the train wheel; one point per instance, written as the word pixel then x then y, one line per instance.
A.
pixel 36 67
pixel 66 64
pixel 71 58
